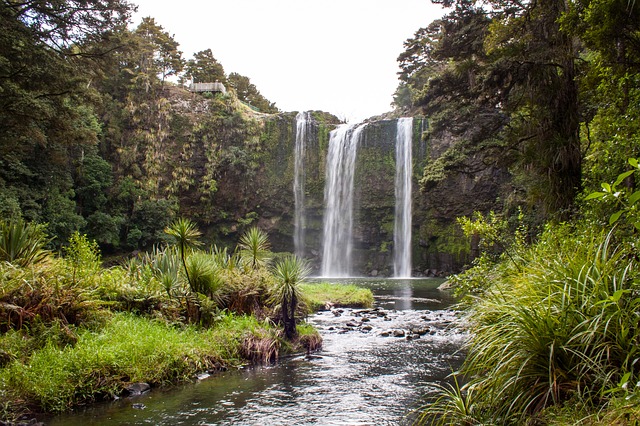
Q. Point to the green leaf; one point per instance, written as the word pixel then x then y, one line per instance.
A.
pixel 617 295
pixel 622 176
pixel 624 379
pixel 633 162
pixel 637 225
pixel 634 197
pixel 595 195
pixel 606 186
pixel 614 217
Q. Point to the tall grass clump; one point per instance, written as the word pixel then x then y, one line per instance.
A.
pixel 563 327
pixel 22 243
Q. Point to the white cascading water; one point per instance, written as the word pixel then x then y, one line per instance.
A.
pixel 402 227
pixel 303 128
pixel 338 195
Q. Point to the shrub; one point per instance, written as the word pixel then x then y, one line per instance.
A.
pixel 564 326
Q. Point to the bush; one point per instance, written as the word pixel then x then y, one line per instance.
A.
pixel 563 327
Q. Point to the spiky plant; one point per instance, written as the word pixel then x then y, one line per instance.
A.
pixel 185 235
pixel 204 277
pixel 564 327
pixel 289 273
pixel 22 243
pixel 165 265
pixel 255 248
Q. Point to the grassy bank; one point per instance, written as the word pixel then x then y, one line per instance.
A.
pixel 320 295
pixel 73 332
pixel 555 335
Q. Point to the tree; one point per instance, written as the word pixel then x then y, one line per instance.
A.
pixel 46 102
pixel 159 54
pixel 289 273
pixel 503 81
pixel 185 235
pixel 248 92
pixel 204 68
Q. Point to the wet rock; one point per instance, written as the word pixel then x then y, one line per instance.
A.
pixel 367 328
pixel 203 376
pixel 351 324
pixel 138 406
pixel 385 333
pixel 311 357
pixel 398 333
pixel 365 319
pixel 137 389
pixel 336 312
pixel 420 331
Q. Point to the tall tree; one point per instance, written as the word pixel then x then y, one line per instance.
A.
pixel 503 79
pixel 204 68
pixel 159 55
pixel 46 103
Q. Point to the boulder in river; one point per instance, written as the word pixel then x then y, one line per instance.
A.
pixel 398 333
pixel 135 389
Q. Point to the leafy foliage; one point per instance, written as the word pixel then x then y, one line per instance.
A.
pixel 22 243
pixel 289 273
pixel 560 328
pixel 255 248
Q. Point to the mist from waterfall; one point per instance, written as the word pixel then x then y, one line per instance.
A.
pixel 303 131
pixel 337 245
pixel 402 227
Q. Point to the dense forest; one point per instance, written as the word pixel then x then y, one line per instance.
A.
pixel 85 121
pixel 550 92
pixel 547 92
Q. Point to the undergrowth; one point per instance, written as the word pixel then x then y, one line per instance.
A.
pixel 561 327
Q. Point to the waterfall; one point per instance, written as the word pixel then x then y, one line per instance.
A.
pixel 303 130
pixel 338 196
pixel 402 227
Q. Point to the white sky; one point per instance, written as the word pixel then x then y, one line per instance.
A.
pixel 332 55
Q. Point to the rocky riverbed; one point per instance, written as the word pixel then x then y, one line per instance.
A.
pixel 384 323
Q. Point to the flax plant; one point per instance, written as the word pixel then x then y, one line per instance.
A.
pixel 563 328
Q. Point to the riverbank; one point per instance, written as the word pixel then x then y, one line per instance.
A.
pixel 374 376
pixel 41 372
pixel 73 332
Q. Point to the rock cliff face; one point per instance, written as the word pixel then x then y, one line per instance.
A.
pixel 437 245
pixel 249 159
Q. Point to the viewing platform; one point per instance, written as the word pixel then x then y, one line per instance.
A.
pixel 208 87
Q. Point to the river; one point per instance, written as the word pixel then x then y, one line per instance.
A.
pixel 364 375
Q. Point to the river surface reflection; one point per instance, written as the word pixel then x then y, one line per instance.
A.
pixel 362 376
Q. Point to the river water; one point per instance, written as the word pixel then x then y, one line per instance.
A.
pixel 364 375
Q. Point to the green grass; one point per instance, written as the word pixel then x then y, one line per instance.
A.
pixel 128 349
pixel 318 295
pixel 560 332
